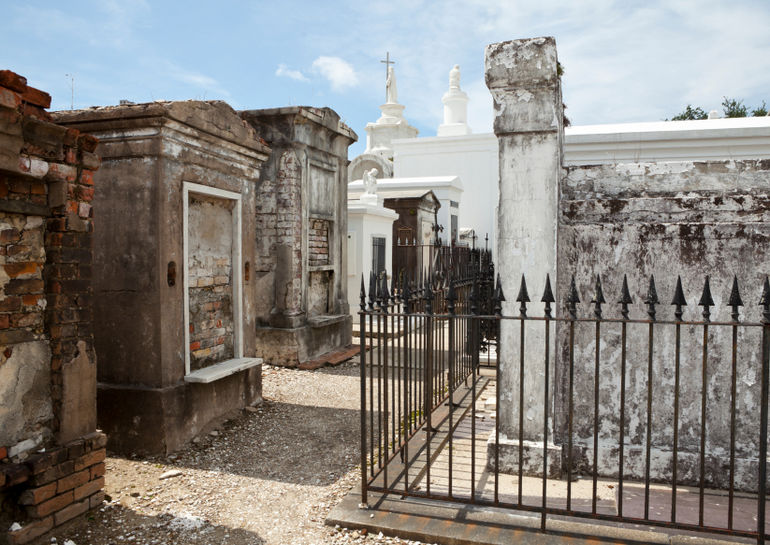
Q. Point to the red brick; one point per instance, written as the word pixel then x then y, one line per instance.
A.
pixel 86 193
pixel 94 440
pixel 24 286
pixel 195 345
pixel 91 487
pixel 3 453
pixel 38 188
pixel 71 137
pixel 47 507
pixel 57 224
pixel 31 110
pixel 9 99
pixel 87 177
pixel 91 458
pixel 10 304
pixel 31 300
pixel 26 319
pixel 36 496
pixel 14 270
pixel 88 142
pixel 13 81
pixel 56 472
pixel 9 235
pixel 30 531
pixel 98 470
pixel 41 462
pixel 71 481
pixel 75 449
pixel 97 499
pixel 15 474
pixel 68 513
pixel 36 97
pixel 19 186
pixel 5 321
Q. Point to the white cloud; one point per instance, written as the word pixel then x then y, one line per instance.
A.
pixel 205 83
pixel 286 72
pixel 339 72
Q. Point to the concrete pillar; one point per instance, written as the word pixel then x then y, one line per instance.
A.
pixel 523 78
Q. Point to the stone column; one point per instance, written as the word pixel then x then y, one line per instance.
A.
pixel 523 78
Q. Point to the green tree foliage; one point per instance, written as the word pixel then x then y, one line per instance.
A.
pixel 730 106
pixel 734 108
pixel 691 113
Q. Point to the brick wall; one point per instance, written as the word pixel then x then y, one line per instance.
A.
pixel 210 269
pixel 47 362
pixel 318 242
pixel 60 484
pixel 279 228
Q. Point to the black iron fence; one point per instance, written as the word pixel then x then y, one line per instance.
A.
pixel 629 419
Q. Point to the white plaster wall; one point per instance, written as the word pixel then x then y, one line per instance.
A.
pixel 365 223
pixel 472 158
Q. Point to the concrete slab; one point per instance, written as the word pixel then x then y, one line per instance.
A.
pixel 447 523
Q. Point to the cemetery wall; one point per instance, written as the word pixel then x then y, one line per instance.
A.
pixel 666 219
pixel 51 455
pixel 674 218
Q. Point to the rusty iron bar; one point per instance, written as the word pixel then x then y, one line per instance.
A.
pixel 650 301
pixel 706 301
pixel 735 302
pixel 523 299
pixel 572 300
pixel 678 301
pixel 362 364
pixel 547 299
pixel 450 361
pixel 625 300
pixel 598 300
pixel 765 303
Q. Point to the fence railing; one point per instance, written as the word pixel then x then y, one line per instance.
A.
pixel 630 419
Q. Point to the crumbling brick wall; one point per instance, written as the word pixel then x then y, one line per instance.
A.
pixel 319 242
pixel 210 265
pixel 48 444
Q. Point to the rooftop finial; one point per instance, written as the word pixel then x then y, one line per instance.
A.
pixel 388 71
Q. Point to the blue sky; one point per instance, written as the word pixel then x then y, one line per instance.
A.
pixel 624 61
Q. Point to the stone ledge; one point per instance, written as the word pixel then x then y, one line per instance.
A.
pixel 532 457
pixel 222 370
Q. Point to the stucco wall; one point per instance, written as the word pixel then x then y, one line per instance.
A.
pixel 666 220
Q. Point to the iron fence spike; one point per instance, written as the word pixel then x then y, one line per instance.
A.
pixel 625 294
pixel 765 300
pixel 548 292
pixel 735 296
pixel 598 292
pixel 652 293
pixel 573 296
pixel 523 296
pixel 372 290
pixel 705 299
pixel 679 299
pixel 384 289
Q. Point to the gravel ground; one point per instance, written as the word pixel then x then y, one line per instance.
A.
pixel 270 475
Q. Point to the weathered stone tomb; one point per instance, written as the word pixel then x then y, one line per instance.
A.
pixel 173 269
pixel 300 270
